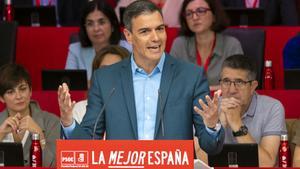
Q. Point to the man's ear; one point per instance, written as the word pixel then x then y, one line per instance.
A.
pixel 254 85
pixel 128 35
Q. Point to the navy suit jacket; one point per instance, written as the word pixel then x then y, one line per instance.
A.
pixel 277 12
pixel 182 84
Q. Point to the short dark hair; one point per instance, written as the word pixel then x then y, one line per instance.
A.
pixel 241 62
pixel 107 10
pixel 136 9
pixel 221 20
pixel 111 49
pixel 11 75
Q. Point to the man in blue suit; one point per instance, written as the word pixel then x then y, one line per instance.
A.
pixel 149 96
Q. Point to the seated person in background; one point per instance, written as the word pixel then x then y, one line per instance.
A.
pixel 106 56
pixel 201 41
pixel 99 27
pixel 170 10
pixel 22 116
pixel 247 116
pixel 296 141
pixel 277 12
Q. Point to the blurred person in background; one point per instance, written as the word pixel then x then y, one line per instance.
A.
pixel 277 12
pixel 105 57
pixel 23 116
pixel 201 41
pixel 99 27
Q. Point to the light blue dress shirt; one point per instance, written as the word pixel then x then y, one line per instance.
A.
pixel 146 87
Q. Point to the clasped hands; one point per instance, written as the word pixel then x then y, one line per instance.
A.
pixel 19 124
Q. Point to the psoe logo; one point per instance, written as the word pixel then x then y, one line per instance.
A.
pixel 74 159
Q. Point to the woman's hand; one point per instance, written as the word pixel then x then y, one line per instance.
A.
pixel 27 123
pixel 10 124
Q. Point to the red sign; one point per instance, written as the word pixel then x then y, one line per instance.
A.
pixel 106 154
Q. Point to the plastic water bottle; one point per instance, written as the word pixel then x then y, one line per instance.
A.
pixel 268 76
pixel 284 152
pixel 36 151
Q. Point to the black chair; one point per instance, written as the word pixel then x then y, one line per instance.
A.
pixel 8 38
pixel 253 44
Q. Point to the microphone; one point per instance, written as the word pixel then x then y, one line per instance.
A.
pixel 102 110
pixel 161 112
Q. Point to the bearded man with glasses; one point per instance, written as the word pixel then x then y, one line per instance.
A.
pixel 247 116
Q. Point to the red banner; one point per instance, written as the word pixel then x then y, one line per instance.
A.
pixel 158 154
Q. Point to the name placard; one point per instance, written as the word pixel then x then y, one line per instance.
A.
pixel 105 154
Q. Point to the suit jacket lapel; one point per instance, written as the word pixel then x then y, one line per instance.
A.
pixel 165 85
pixel 128 92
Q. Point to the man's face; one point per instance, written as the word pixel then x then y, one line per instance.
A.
pixel 148 37
pixel 243 88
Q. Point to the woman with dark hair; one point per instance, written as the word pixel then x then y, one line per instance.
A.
pixel 23 116
pixel 99 27
pixel 201 41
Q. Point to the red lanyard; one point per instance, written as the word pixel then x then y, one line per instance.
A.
pixel 207 62
pixel 254 5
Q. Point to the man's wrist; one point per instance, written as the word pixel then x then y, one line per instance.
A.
pixel 217 127
pixel 236 126
pixel 67 123
pixel 242 131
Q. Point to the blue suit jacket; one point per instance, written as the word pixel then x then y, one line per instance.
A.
pixel 182 84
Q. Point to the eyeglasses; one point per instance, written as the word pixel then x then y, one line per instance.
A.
pixel 226 83
pixel 91 24
pixel 199 12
